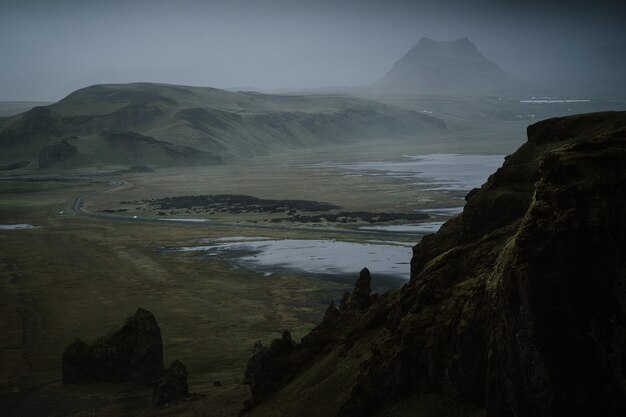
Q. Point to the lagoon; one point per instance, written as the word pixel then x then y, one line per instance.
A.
pixel 327 257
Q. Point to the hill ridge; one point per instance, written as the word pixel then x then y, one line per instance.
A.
pixel 210 121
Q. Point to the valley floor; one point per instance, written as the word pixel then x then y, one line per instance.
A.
pixel 74 276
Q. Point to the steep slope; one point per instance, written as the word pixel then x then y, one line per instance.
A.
pixel 165 124
pixel 516 307
pixel 455 67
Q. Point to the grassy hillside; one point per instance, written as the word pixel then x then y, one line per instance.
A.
pixel 171 125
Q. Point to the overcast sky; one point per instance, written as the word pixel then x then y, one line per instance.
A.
pixel 52 47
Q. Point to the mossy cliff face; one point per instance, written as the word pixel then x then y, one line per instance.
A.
pixel 558 341
pixel 514 308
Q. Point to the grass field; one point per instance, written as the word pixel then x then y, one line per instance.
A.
pixel 73 276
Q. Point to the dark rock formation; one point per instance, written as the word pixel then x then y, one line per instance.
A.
pixel 171 385
pixel 361 296
pixel 269 368
pixel 558 344
pixel 331 315
pixel 516 307
pixel 322 334
pixel 132 353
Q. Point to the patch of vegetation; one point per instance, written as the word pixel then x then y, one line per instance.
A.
pixel 16 186
pixel 355 216
pixel 234 204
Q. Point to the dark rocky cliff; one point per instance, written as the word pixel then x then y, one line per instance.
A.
pixel 517 307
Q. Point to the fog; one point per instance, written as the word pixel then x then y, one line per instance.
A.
pixel 50 48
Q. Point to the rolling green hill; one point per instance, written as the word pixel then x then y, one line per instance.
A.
pixel 158 124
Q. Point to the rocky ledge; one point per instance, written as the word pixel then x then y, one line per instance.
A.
pixel 516 307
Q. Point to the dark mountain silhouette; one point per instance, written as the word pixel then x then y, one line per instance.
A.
pixel 514 308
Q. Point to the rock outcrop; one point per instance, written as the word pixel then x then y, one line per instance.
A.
pixel 269 368
pixel 360 298
pixel 171 385
pixel 133 353
pixel 516 307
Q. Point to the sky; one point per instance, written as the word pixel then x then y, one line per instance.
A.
pixel 50 48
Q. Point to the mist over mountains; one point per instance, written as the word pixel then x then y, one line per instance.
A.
pixel 162 124
pixel 447 67
pixel 228 166
pixel 275 44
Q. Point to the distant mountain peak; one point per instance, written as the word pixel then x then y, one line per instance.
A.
pixel 464 43
pixel 426 41
pixel 458 46
pixel 456 66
